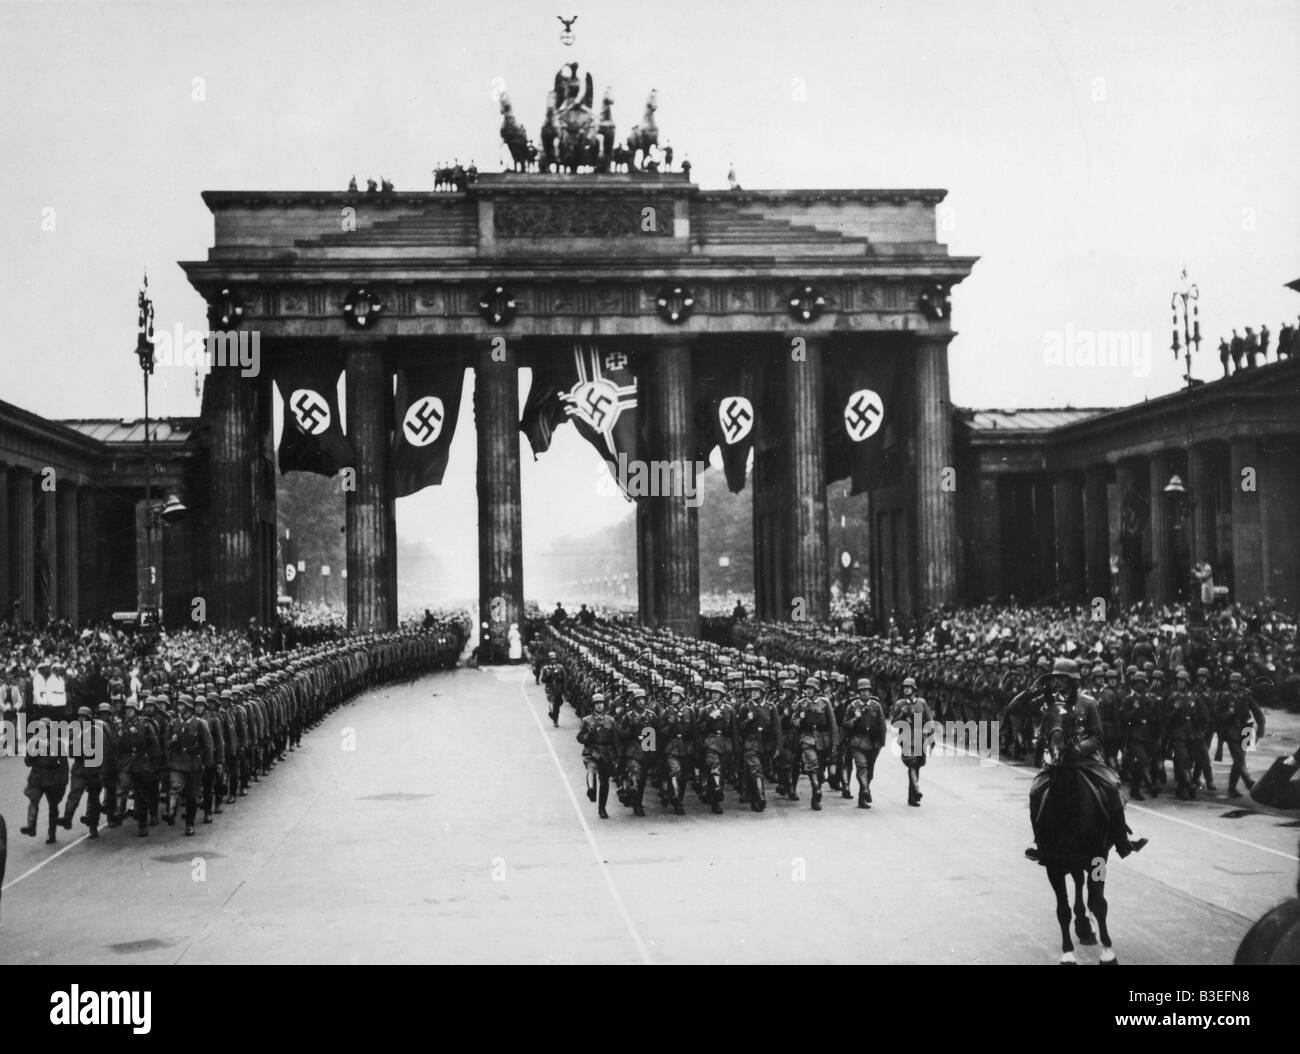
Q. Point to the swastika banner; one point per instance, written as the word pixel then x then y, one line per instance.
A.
pixel 595 387
pixel 726 410
pixel 311 438
pixel 861 403
pixel 428 403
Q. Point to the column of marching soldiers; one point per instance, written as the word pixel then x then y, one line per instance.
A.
pixel 667 712
pixel 214 732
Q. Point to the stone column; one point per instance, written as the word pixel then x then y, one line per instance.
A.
pixel 372 560
pixel 989 540
pixel 1132 580
pixel 769 590
pixel 1067 504
pixel 500 523
pixel 67 553
pixel 671 514
pixel 1096 533
pixel 1204 488
pixel 1248 575
pixel 6 549
pixel 1161 588
pixel 234 457
pixel 935 513
pixel 22 523
pixel 48 597
pixel 807 572
pixel 92 600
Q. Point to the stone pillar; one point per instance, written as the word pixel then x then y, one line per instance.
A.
pixel 372 560
pixel 92 599
pixel 1096 533
pixel 67 554
pixel 672 518
pixel 500 524
pixel 1132 576
pixel 1205 494
pixel 6 550
pixel 1161 588
pixel 807 572
pixel 989 540
pixel 47 592
pixel 234 535
pixel 1067 504
pixel 769 589
pixel 22 532
pixel 935 513
pixel 1248 575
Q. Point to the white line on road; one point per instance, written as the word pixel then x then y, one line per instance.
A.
pixel 53 856
pixel 1211 830
pixel 586 828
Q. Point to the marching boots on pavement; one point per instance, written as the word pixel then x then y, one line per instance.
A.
pixel 864 730
pixel 717 725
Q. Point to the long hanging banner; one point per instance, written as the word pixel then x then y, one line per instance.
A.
pixel 427 406
pixel 596 390
pixel 726 413
pixel 311 437
pixel 861 403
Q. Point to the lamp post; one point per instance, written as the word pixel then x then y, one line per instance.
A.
pixel 144 344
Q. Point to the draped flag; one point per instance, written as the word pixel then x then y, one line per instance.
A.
pixel 596 390
pixel 726 387
pixel 861 402
pixel 1132 523
pixel 311 438
pixel 427 404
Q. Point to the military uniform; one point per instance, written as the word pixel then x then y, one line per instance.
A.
pixel 914 714
pixel 598 736
pixel 716 721
pixel 636 732
pixel 818 736
pixel 864 732
pixel 678 739
pixel 189 752
pixel 137 756
pixel 758 728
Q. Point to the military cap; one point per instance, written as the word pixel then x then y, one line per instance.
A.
pixel 909 682
pixel 1157 672
pixel 753 684
pixel 83 711
pixel 1111 671
pixel 812 682
pixel 1201 671
pixel 1042 663
pixel 864 684
pixel 1182 675
pixel 104 708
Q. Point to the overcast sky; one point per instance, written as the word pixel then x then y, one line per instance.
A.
pixel 1090 151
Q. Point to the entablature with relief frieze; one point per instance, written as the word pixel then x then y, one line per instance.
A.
pixel 847 299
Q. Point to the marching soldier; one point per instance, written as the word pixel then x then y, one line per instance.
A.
pixel 137 756
pixel 716 724
pixel 913 713
pixel 864 731
pixel 88 769
pixel 212 771
pixel 1202 730
pixel 636 735
pixel 1138 711
pixel 818 736
pixel 47 776
pixel 1239 717
pixel 598 736
pixel 758 727
pixel 1179 716
pixel 787 758
pixel 552 678
pixel 677 730
pixel 189 752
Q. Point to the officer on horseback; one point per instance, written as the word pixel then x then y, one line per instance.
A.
pixel 1076 714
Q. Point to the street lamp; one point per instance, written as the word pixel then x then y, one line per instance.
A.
pixel 144 352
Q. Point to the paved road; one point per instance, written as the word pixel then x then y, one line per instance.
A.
pixel 418 846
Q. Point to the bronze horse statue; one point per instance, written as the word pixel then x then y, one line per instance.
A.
pixel 513 135
pixel 646 134
pixel 1074 840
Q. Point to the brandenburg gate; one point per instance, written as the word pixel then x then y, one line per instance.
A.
pixel 825 310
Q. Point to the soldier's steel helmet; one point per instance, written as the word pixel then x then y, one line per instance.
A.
pixel 864 684
pixel 1066 668
pixel 909 682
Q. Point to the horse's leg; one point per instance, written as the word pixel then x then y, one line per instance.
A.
pixel 1082 927
pixel 1056 876
pixel 1097 905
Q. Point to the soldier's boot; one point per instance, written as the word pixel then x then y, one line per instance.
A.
pixel 833 776
pixel 591 786
pixel 679 792
pixel 637 808
pixel 169 809
pixel 68 809
pixel 845 786
pixel 715 798
pixel 864 797
pixel 815 778
pixel 760 798
pixel 93 832
pixel 51 837
pixel 32 813
pixel 793 795
pixel 604 797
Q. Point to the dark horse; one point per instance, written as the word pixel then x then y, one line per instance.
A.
pixel 1275 939
pixel 1074 840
